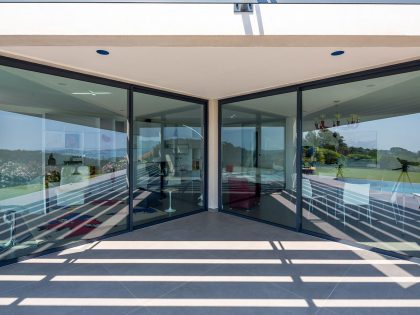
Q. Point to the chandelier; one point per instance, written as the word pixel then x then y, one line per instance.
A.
pixel 352 122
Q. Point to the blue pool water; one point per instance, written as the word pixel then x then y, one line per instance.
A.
pixel 386 186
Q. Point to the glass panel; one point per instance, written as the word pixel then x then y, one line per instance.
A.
pixel 361 159
pixel 62 161
pixel 168 156
pixel 258 158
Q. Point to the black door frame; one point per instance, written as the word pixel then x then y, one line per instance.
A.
pixel 130 88
pixel 299 89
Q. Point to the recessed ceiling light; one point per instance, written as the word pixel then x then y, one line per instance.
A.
pixel 102 52
pixel 337 53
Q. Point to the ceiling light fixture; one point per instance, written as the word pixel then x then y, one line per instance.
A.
pixel 337 53
pixel 91 93
pixel 102 52
pixel 352 122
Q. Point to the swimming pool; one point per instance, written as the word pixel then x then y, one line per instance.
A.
pixel 386 186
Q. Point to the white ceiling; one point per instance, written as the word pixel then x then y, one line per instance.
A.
pixel 214 72
pixel 80 102
pixel 371 99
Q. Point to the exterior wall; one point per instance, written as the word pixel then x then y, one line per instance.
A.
pixel 210 25
pixel 207 20
pixel 213 155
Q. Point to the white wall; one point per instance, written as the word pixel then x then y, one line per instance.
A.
pixel 207 19
pixel 213 156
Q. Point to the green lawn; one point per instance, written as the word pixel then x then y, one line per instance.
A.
pixel 10 192
pixel 367 173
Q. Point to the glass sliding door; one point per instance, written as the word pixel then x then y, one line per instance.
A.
pixel 62 161
pixel 361 160
pixel 168 158
pixel 258 165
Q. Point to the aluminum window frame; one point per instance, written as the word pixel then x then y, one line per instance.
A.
pixel 374 73
pixel 131 89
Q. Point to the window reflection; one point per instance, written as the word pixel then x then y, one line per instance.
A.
pixel 258 158
pixel 168 157
pixel 62 161
pixel 361 153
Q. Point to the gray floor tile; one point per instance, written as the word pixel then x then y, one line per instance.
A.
pixel 218 294
pixel 251 282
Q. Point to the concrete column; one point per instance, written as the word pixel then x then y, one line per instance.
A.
pixel 213 156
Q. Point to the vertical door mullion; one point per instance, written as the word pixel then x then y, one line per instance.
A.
pixel 299 202
pixel 219 154
pixel 130 170
pixel 205 151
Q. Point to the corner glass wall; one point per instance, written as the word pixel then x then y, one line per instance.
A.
pixel 258 158
pixel 168 157
pixel 63 148
pixel 361 162
pixel 68 146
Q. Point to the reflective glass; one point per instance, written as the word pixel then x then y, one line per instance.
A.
pixel 361 162
pixel 62 161
pixel 259 158
pixel 168 158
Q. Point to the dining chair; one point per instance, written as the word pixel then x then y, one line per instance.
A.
pixel 307 193
pixel 357 195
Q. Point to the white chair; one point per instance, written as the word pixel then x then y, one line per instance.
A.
pixel 292 188
pixel 357 195
pixel 396 209
pixel 294 176
pixel 171 179
pixel 9 223
pixel 307 193
pixel 73 182
pixel 171 168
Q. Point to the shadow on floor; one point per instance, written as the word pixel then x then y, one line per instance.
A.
pixel 211 263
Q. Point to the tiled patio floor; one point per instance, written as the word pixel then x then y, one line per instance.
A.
pixel 211 263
